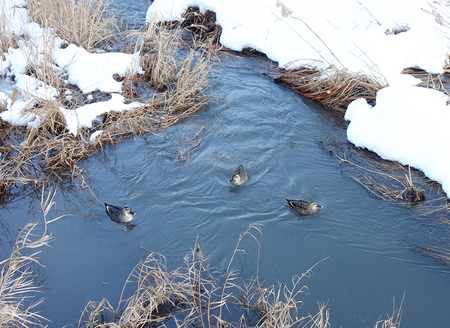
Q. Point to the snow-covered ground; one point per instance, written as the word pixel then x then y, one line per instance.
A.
pixel 88 71
pixel 408 122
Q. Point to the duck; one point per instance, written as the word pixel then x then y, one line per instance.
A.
pixel 303 207
pixel 239 176
pixel 119 214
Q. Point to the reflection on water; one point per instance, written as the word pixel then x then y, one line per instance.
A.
pixel 282 143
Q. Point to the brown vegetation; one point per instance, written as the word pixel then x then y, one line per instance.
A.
pixel 17 279
pixel 187 144
pixel 86 23
pixel 441 255
pixel 394 320
pixel 180 75
pixel 334 88
pixel 190 296
pixel 438 82
pixel 8 39
pixel 391 181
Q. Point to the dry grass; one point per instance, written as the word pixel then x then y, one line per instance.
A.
pixel 8 39
pixel 441 255
pixel 90 24
pixel 46 151
pixel 393 320
pixel 189 296
pixel 438 82
pixel 376 182
pixel 278 306
pixel 394 182
pixel 391 181
pixel 17 280
pixel 167 67
pixel 158 55
pixel 334 88
pixel 40 64
pixel 187 144
pixel 30 157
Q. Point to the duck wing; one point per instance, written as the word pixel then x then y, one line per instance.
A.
pixel 239 170
pixel 112 208
pixel 297 203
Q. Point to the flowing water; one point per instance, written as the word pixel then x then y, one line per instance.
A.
pixel 283 141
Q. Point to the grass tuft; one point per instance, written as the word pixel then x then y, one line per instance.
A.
pixel 189 296
pixel 393 320
pixel 17 279
pixel 187 144
pixel 334 88
pixel 180 75
pixel 8 39
pixel 90 24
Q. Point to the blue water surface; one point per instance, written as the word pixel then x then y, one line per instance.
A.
pixel 283 141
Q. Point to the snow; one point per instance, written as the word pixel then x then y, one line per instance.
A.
pixel 407 124
pixel 84 115
pixel 88 71
pixel 91 72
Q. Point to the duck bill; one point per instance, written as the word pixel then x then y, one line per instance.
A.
pixel 133 213
pixel 230 181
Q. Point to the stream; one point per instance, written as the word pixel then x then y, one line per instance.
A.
pixel 361 244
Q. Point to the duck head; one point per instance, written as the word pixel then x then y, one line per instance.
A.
pixel 236 179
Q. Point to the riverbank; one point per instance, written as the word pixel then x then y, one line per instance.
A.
pixel 72 93
pixel 354 55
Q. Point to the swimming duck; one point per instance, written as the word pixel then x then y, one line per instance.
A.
pixel 239 176
pixel 303 207
pixel 119 214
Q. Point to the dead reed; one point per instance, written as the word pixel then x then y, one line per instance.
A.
pixel 381 180
pixel 189 296
pixel 440 255
pixel 187 144
pixel 8 39
pixel 40 64
pixel 157 51
pixel 278 306
pixel 30 157
pixel 17 279
pixel 391 181
pixel 440 82
pixel 333 87
pixel 393 320
pixel 90 24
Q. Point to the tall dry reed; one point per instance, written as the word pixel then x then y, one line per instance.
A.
pixel 333 87
pixel 8 39
pixel 90 24
pixel 50 150
pixel 189 296
pixel 393 320
pixel 17 279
